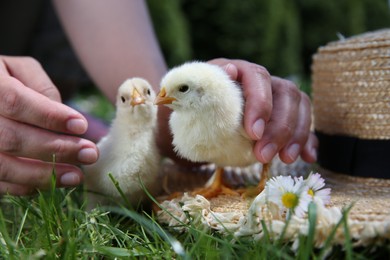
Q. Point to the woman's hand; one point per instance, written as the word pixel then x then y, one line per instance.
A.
pixel 277 114
pixel 34 127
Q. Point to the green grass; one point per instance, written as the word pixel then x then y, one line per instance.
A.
pixel 54 225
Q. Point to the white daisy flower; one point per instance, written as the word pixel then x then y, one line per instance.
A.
pixel 289 194
pixel 315 185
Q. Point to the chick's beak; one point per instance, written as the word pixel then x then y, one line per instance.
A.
pixel 162 98
pixel 136 98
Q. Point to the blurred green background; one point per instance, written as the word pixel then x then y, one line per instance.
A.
pixel 281 35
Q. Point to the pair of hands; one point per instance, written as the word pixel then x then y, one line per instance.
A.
pixel 35 125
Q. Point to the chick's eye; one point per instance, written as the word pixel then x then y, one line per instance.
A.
pixel 123 99
pixel 183 88
pixel 148 92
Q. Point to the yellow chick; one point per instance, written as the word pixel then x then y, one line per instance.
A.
pixel 206 121
pixel 129 151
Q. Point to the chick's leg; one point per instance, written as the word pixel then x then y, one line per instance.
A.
pixel 216 187
pixel 254 191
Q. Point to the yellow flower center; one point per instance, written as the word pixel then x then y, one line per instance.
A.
pixel 311 192
pixel 290 200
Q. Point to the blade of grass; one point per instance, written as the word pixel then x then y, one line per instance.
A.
pixel 348 243
pixel 48 203
pixel 280 241
pixel 153 228
pixel 20 229
pixel 120 252
pixel 43 205
pixel 69 231
pixel 312 218
pixel 116 183
pixel 328 242
pixel 10 245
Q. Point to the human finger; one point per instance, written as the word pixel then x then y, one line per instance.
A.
pixel 20 103
pixel 30 72
pixel 282 124
pixel 15 189
pixel 309 152
pixel 34 174
pixel 44 144
pixel 290 152
pixel 256 84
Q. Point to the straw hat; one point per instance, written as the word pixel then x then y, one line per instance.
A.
pixel 351 100
pixel 351 97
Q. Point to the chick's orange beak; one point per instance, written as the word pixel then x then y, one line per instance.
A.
pixel 162 98
pixel 136 98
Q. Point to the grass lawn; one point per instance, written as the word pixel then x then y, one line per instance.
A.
pixel 54 225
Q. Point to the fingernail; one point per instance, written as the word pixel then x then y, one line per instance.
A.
pixel 87 155
pixel 70 179
pixel 269 151
pixel 77 126
pixel 293 151
pixel 228 67
pixel 258 128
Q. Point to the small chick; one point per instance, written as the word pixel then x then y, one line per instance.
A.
pixel 206 121
pixel 128 151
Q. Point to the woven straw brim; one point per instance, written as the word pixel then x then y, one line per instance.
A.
pixel 351 86
pixel 368 219
pixel 370 196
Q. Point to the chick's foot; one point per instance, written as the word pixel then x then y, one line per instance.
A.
pixel 216 187
pixel 212 192
pixel 254 191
